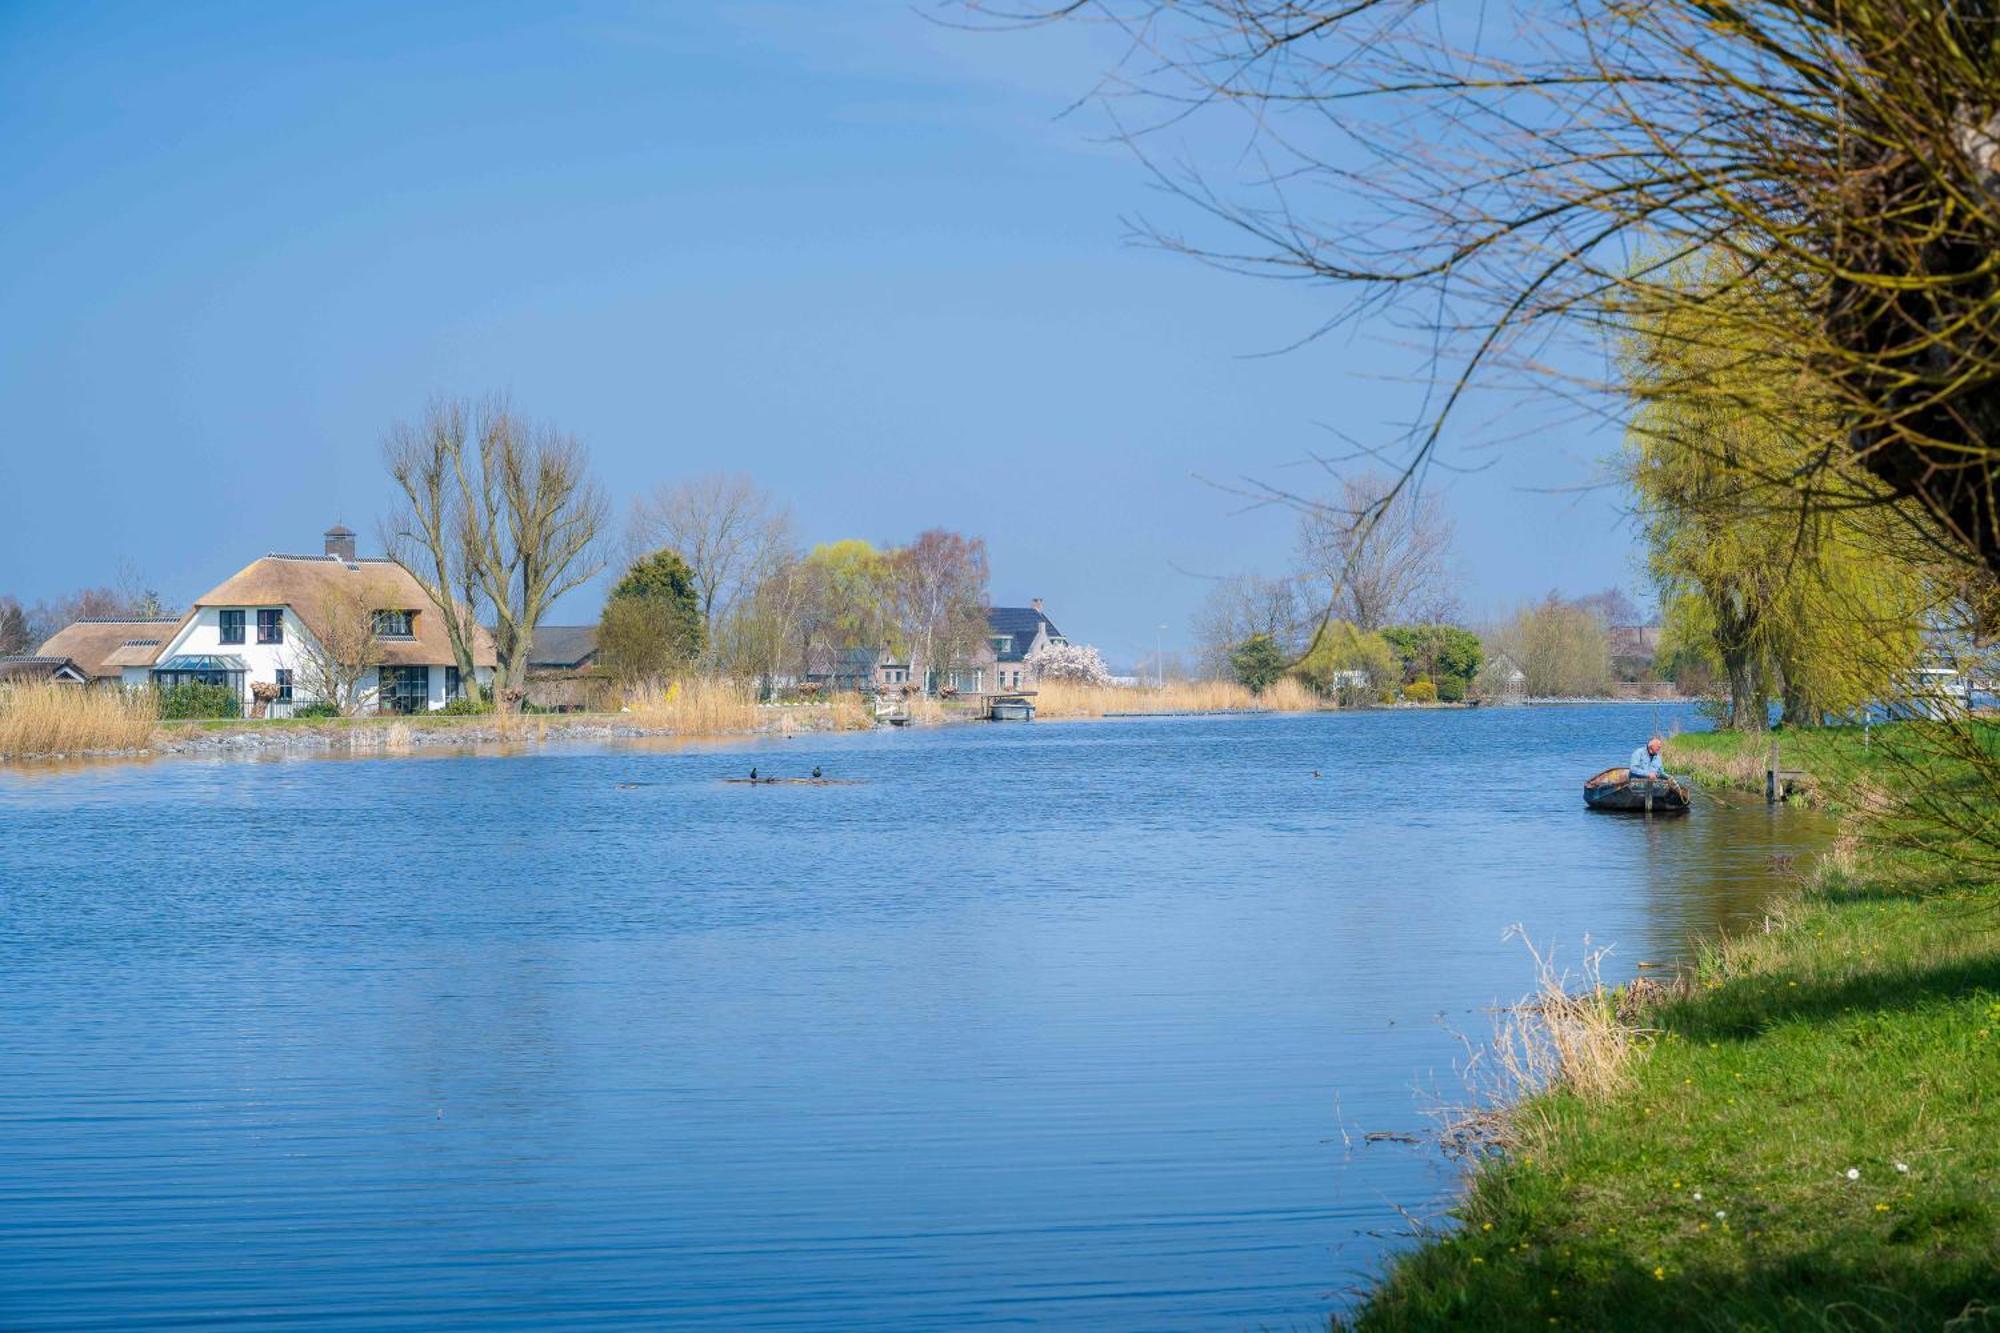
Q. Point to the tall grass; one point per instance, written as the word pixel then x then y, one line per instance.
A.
pixel 1066 698
pixel 71 719
pixel 696 706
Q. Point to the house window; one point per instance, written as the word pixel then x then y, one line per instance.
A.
pixel 405 689
pixel 284 685
pixel 271 626
pixel 395 624
pixel 453 687
pixel 232 626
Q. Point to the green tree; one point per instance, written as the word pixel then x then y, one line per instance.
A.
pixel 651 625
pixel 1257 662
pixel 1446 655
pixel 1563 649
pixel 1351 663
pixel 1804 592
pixel 854 586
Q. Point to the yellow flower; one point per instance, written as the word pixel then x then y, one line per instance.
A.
pixel 1659 1275
pixel 1477 1260
pixel 1485 1226
pixel 1881 1207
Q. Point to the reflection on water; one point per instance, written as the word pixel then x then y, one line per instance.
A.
pixel 1052 1023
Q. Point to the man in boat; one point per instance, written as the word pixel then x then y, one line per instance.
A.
pixel 1645 762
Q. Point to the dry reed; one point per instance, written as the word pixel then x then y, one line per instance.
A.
pixel 1066 698
pixel 73 719
pixel 694 707
pixel 1570 1034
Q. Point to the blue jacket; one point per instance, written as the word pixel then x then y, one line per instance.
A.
pixel 1645 765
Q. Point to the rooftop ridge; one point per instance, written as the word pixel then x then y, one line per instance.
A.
pixel 126 620
pixel 330 559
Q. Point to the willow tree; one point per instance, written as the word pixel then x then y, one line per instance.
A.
pixel 1805 591
pixel 1488 173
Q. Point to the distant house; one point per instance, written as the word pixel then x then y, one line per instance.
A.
pixel 863 670
pixel 102 649
pixel 1633 649
pixel 263 625
pixel 1001 664
pixel 40 670
pixel 564 648
pixel 998 665
pixel 562 669
pixel 1502 681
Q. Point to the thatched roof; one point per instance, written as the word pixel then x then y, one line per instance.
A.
pixel 306 583
pixel 94 644
pixel 39 667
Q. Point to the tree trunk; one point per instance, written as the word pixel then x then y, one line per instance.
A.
pixel 1747 708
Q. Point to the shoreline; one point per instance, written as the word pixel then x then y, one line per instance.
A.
pixel 376 734
pixel 1796 1131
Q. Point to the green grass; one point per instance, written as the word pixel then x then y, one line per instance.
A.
pixel 1861 1031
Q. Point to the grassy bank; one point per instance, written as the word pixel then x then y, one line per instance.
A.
pixel 1808 1136
pixel 1057 699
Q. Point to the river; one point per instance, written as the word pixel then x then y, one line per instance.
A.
pixel 1070 1024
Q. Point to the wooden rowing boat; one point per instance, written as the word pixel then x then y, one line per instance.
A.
pixel 1615 789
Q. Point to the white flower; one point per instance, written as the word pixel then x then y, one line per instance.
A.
pixel 1697 1196
pixel 1903 1168
pixel 1854 1173
pixel 1719 1214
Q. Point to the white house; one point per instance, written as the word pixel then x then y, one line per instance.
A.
pixel 258 627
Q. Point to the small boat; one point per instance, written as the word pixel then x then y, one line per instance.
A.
pixel 1615 789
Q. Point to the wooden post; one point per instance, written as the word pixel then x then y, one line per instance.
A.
pixel 1771 775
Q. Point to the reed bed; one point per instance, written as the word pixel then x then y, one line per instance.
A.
pixel 71 719
pixel 1066 698
pixel 694 707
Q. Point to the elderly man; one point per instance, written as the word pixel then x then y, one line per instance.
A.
pixel 1646 761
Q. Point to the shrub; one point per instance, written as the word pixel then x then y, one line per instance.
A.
pixel 1257 662
pixel 1420 692
pixel 1451 689
pixel 466 707
pixel 194 698
pixel 316 708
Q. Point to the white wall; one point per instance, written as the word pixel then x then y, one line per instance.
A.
pixel 202 637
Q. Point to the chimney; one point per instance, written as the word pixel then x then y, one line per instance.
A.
pixel 1037 604
pixel 340 543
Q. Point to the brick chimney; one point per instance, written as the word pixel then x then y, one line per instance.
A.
pixel 1037 604
pixel 340 542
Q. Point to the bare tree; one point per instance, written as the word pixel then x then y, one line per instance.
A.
pixel 433 535
pixel 1243 606
pixel 510 520
pixel 938 583
pixel 723 525
pixel 1376 553
pixel 333 658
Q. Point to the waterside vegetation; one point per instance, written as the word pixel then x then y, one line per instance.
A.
pixel 1795 1134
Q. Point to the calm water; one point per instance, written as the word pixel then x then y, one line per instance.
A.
pixel 1051 1024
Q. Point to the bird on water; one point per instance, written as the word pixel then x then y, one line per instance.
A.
pixel 815 770
pixel 753 773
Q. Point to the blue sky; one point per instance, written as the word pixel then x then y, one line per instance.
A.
pixel 859 255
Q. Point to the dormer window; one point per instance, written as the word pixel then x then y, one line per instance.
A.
pixel 395 624
pixel 271 626
pixel 1002 644
pixel 232 626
